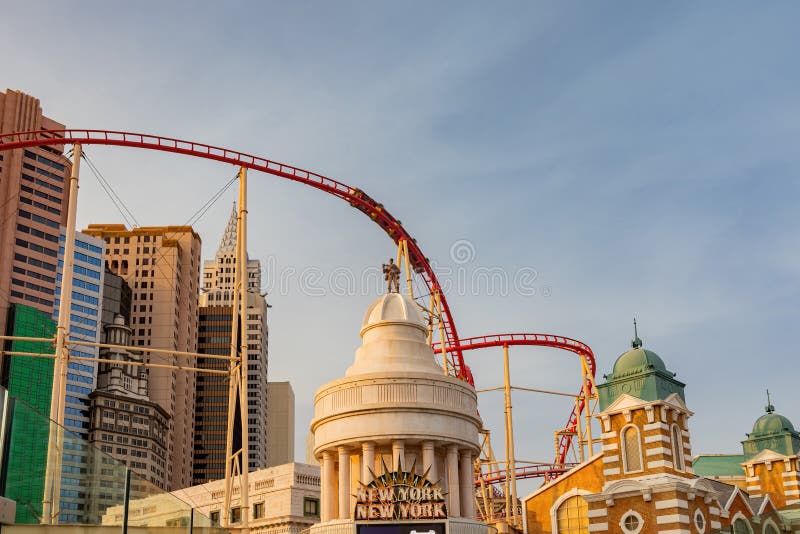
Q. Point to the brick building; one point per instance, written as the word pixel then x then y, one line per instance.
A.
pixel 643 479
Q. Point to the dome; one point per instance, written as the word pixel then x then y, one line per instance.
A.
pixel 394 339
pixel 771 423
pixel 393 308
pixel 638 360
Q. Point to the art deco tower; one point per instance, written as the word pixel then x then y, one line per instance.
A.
pixel 216 303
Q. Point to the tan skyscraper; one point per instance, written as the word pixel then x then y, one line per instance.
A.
pixel 215 313
pixel 162 266
pixel 280 422
pixel 33 207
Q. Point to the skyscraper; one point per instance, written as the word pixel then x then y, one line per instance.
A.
pixel 29 380
pixel 33 201
pixel 87 298
pixel 162 266
pixel 34 192
pixel 216 315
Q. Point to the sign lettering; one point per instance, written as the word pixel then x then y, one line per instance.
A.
pixel 401 495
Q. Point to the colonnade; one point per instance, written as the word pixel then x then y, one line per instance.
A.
pixel 458 464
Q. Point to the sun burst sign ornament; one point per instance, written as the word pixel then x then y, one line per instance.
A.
pixel 400 495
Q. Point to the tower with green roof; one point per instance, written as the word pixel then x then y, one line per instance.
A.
pixel 640 373
pixel 772 459
pixel 773 432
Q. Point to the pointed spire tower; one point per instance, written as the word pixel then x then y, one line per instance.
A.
pixel 216 299
pixel 228 243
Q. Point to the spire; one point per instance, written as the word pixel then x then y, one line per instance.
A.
pixel 635 342
pixel 769 407
pixel 228 243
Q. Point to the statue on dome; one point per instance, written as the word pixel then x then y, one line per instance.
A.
pixel 391 273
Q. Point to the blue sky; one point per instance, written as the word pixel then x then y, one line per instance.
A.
pixel 640 157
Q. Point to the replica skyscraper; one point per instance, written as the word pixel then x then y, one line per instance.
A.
pixel 216 303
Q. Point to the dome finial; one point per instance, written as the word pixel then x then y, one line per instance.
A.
pixel 635 342
pixel 769 407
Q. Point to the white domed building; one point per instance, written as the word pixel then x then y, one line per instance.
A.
pixel 396 438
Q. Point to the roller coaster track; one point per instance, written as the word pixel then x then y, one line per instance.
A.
pixel 548 471
pixel 354 196
pixel 539 340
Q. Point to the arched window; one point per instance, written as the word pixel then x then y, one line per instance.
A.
pixel 770 529
pixel 631 449
pixel 677 448
pixel 572 516
pixel 740 527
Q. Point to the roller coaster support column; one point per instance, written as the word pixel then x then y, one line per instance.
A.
pixel 237 463
pixel 588 388
pixel 403 259
pixel 52 482
pixel 511 480
pixel 578 429
pixel 241 237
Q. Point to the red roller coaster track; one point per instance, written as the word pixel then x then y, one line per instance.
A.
pixel 354 196
pixel 538 340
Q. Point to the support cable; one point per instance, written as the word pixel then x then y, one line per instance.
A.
pixel 123 209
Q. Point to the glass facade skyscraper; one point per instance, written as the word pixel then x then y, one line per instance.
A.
pixel 85 325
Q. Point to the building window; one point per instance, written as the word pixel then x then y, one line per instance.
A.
pixel 311 507
pixel 677 448
pixel 215 516
pixel 236 515
pixel 258 510
pixel 770 529
pixel 631 449
pixel 572 516
pixel 740 527
pixel 699 521
pixel 632 522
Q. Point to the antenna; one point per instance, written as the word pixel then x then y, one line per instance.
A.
pixel 636 342
pixel 769 407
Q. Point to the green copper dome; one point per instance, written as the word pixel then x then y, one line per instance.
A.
pixel 771 423
pixel 771 432
pixel 637 360
pixel 640 373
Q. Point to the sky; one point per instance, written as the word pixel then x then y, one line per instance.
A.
pixel 609 160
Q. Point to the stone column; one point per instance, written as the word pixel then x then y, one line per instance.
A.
pixel 428 461
pixel 344 483
pixel 327 494
pixel 367 461
pixel 467 486
pixel 398 455
pixel 453 487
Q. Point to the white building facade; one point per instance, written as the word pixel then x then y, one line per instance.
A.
pixel 396 437
pixel 283 499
